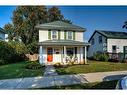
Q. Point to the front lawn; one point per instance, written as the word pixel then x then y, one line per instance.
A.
pixel 94 66
pixel 18 70
pixel 95 85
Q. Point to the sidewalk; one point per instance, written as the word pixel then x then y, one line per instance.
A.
pixel 59 80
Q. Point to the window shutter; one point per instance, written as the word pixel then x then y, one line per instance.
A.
pixel 73 35
pixel 49 34
pixel 65 35
pixel 59 34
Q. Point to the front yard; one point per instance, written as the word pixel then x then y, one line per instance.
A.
pixel 18 70
pixel 93 66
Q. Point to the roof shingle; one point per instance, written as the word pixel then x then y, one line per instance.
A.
pixel 60 25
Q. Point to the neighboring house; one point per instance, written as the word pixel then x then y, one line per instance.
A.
pixel 3 35
pixel 61 42
pixel 111 42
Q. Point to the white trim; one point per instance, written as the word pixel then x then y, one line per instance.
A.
pixel 67 35
pixel 56 34
pixel 85 55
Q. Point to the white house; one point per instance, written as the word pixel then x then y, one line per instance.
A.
pixel 111 42
pixel 3 35
pixel 61 42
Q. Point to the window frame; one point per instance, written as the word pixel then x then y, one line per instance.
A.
pixel 54 34
pixel 92 41
pixel 100 39
pixel 69 35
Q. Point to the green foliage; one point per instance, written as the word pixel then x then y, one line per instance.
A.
pixel 101 57
pixel 32 48
pixel 12 51
pixel 125 25
pixel 33 65
pixel 2 62
pixel 19 47
pixel 25 18
pixel 9 28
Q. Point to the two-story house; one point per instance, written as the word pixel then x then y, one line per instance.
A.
pixel 111 42
pixel 61 42
pixel 3 35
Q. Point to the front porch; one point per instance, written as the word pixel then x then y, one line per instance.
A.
pixel 63 53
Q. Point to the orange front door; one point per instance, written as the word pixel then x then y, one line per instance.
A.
pixel 49 54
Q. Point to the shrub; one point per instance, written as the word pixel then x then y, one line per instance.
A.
pixel 33 65
pixel 113 60
pixel 2 62
pixel 101 57
pixel 12 52
pixel 6 51
pixel 57 64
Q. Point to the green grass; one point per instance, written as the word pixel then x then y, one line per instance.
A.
pixel 93 66
pixel 95 85
pixel 17 70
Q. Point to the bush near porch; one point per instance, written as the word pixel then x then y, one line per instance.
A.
pixel 92 66
pixel 18 70
pixel 11 52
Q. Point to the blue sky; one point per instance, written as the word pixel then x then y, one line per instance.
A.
pixel 90 17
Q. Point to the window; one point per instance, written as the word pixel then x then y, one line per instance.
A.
pixel 100 39
pixel 92 41
pixel 70 51
pixel 113 47
pixel 54 34
pixel 70 36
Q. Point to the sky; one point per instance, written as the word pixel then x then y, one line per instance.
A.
pixel 90 17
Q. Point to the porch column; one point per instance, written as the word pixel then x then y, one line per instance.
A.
pixel 65 54
pixel 40 55
pixel 81 54
pixel 85 55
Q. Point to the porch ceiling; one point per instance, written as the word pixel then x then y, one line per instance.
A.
pixel 63 43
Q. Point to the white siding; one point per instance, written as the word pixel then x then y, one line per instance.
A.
pixel 118 42
pixel 62 34
pixel 3 36
pixel 96 46
pixel 43 35
pixel 79 36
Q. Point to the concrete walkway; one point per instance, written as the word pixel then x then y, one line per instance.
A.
pixel 42 82
pixel 50 71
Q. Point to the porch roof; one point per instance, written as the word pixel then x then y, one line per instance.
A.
pixel 63 43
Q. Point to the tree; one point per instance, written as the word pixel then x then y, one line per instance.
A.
pixel 54 14
pixel 125 25
pixel 25 18
pixel 9 28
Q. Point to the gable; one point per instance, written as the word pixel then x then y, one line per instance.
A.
pixel 94 34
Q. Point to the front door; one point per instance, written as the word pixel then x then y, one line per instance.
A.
pixel 49 54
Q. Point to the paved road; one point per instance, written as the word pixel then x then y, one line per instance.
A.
pixel 48 81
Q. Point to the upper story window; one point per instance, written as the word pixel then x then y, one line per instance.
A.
pixel 70 35
pixel 92 41
pixel 54 34
pixel 100 39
